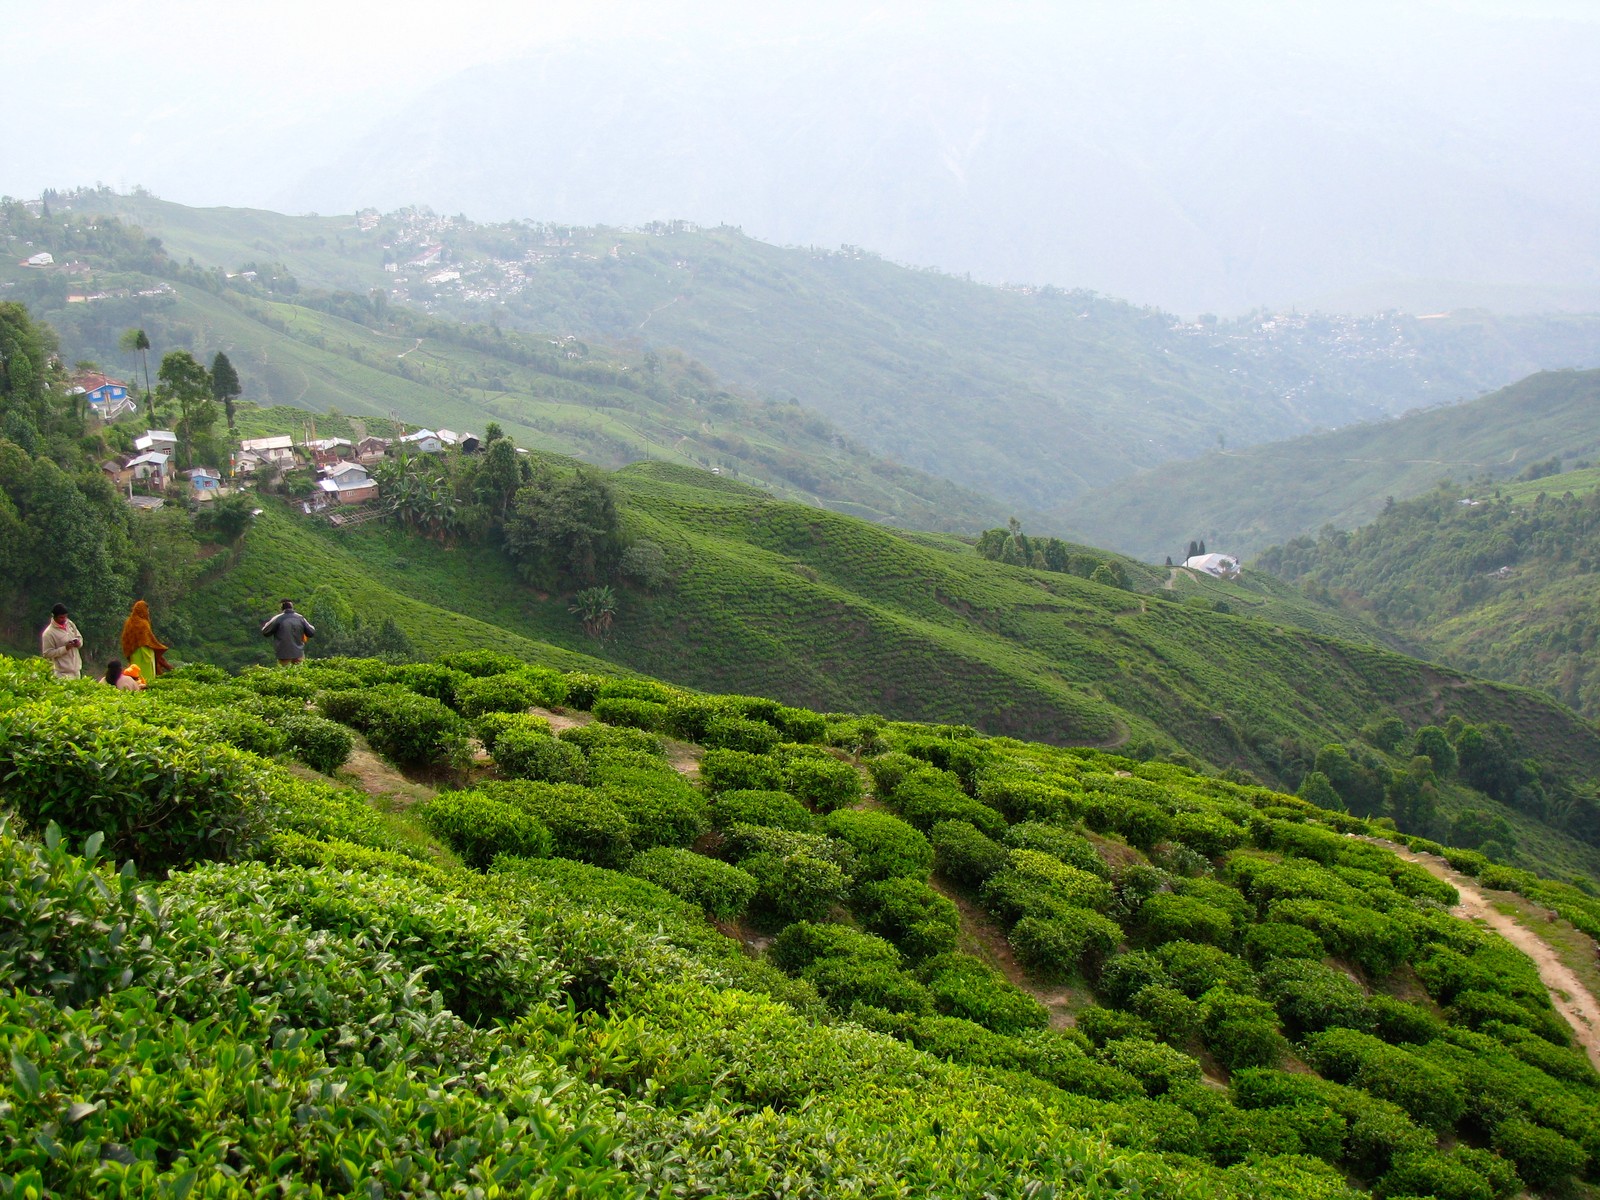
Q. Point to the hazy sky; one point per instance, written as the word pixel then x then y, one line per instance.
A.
pixel 264 104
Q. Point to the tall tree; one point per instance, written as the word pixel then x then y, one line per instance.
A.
pixel 134 341
pixel 186 386
pixel 224 385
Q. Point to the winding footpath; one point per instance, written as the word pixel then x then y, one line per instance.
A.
pixel 1567 992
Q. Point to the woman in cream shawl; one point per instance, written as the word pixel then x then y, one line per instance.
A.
pixel 139 643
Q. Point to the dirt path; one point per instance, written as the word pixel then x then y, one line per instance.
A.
pixel 1571 999
pixel 983 938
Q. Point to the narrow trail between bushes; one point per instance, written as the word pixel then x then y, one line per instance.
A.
pixel 1571 998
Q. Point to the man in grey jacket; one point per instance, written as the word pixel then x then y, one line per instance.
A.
pixel 289 631
pixel 61 643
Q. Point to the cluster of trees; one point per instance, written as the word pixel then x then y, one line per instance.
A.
pixel 1012 546
pixel 1398 775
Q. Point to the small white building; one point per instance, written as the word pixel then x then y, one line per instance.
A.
pixel 423 441
pixel 1223 566
pixel 161 441
pixel 150 465
pixel 278 451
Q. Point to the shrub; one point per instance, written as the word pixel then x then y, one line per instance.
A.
pixel 807 942
pixel 737 771
pixel 908 912
pixel 599 736
pixel 885 846
pixel 491 725
pixel 962 986
pixel 321 744
pixel 1055 946
pixel 1027 798
pixel 583 689
pixel 1101 1025
pixel 1544 1158
pixel 585 826
pixel 795 887
pixel 1071 848
pixel 1240 1030
pixel 497 693
pixel 1157 1067
pixel 964 854
pixel 1124 975
pixel 526 753
pixel 1072 885
pixel 845 983
pixel 1397 1021
pixel 777 809
pixel 888 770
pixel 160 797
pixel 928 797
pixel 1312 997
pixel 1273 940
pixel 1167 917
pixel 1212 834
pixel 413 730
pixel 429 679
pixel 799 724
pixel 478 828
pixel 824 783
pixel 1372 940
pixel 661 811
pixel 1439 1176
pixel 1169 1012
pixel 721 889
pixel 738 733
pixel 479 663
pixel 1430 1093
pixel 629 713
pixel 1196 969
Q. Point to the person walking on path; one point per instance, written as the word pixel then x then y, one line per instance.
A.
pixel 61 643
pixel 139 645
pixel 289 631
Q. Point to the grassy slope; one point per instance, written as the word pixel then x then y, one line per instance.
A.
pixel 821 610
pixel 1241 501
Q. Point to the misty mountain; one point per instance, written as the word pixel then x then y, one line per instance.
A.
pixel 1179 165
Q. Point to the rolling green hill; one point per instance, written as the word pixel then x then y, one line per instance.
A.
pixel 1499 580
pixel 353 355
pixel 1030 395
pixel 1243 500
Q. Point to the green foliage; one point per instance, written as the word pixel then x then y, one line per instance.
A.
pixel 1056 946
pixel 964 854
pixel 511 692
pixel 1167 917
pixel 962 986
pixel 909 913
pixel 158 796
pixel 1543 1157
pixel 522 752
pixel 478 828
pixel 491 725
pixel 728 732
pixel 722 890
pixel 584 825
pixel 778 809
pixel 410 729
pixel 825 784
pixel 321 744
pixel 885 847
pixel 738 771
pixel 1158 1068
pixel 599 736
pixel 1431 1094
pixel 634 714
pixel 1071 848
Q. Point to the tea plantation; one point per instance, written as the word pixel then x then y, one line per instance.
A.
pixel 230 974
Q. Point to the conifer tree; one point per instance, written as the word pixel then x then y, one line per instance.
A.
pixel 225 386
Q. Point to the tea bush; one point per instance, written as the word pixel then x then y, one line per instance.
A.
pixel 737 771
pixel 721 889
pixel 597 735
pixel 823 783
pixel 1167 918
pixel 1274 940
pixel 632 714
pixel 321 744
pixel 1056 946
pixel 964 854
pixel 737 733
pixel 795 886
pixel 511 692
pixel 522 752
pixel 491 725
pixel 926 797
pixel 479 828
pixel 777 809
pixel 909 913
pixel 885 846
pixel 480 663
pixel 662 810
pixel 434 680
pixel 1543 1157
pixel 583 824
pixel 963 986
pixel 159 796
pixel 1071 848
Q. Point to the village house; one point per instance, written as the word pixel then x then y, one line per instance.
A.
pixel 349 483
pixel 204 481
pixel 1223 566
pixel 371 449
pixel 423 441
pixel 159 441
pixel 107 398
pixel 278 451
pixel 150 467
pixel 117 471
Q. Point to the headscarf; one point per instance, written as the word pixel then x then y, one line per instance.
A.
pixel 132 671
pixel 136 631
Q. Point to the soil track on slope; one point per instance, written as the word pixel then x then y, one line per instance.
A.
pixel 1571 999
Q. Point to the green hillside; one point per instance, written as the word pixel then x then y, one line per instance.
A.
pixel 1032 395
pixel 353 355
pixel 1495 579
pixel 1243 500
pixel 655 943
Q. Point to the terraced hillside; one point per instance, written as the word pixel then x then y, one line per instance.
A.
pixel 1243 499
pixel 286 987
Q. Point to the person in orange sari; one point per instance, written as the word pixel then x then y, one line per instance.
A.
pixel 139 645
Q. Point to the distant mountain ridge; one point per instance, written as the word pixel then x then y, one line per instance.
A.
pixel 1027 395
